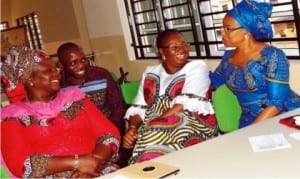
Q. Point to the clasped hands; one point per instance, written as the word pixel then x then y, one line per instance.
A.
pixel 89 166
pixel 130 137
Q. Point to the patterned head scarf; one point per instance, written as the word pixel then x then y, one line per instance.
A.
pixel 18 64
pixel 253 16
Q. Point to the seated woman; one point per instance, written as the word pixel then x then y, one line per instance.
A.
pixel 256 72
pixel 171 104
pixel 53 132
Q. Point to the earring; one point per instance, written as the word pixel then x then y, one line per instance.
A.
pixel 163 57
pixel 246 37
pixel 31 84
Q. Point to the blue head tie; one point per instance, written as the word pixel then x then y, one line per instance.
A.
pixel 253 16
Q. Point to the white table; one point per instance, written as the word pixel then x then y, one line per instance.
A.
pixel 231 155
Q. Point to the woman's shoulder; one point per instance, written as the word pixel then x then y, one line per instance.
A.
pixel 270 50
pixel 195 64
pixel 153 68
pixel 13 110
pixel 64 97
pixel 273 54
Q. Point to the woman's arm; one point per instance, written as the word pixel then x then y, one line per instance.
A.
pixel 267 113
pixel 277 83
pixel 194 92
pixel 171 111
pixel 131 135
pixel 87 164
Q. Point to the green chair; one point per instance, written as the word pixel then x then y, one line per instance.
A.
pixel 129 91
pixel 3 172
pixel 227 109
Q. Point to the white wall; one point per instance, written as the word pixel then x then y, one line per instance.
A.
pixel 102 17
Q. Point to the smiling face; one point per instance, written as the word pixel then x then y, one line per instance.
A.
pixel 174 51
pixel 44 80
pixel 74 64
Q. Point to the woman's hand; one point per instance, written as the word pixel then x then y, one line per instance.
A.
pixel 88 165
pixel 130 137
pixel 103 154
pixel 83 166
pixel 268 112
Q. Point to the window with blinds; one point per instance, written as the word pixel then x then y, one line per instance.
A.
pixel 200 22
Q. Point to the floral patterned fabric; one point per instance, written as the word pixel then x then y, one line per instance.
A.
pixel 160 91
pixel 264 82
pixel 30 137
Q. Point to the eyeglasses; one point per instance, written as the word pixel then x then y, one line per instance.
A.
pixel 227 29
pixel 177 47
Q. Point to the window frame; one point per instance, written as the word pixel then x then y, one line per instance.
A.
pixel 202 46
pixel 33 30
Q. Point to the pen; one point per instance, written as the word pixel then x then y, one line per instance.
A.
pixel 171 173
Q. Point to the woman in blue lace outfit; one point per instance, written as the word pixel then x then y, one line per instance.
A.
pixel 257 73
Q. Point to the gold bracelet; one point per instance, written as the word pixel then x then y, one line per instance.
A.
pixel 76 162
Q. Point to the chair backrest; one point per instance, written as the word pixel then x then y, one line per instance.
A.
pixel 129 90
pixel 227 109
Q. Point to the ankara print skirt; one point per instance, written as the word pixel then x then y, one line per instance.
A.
pixel 160 136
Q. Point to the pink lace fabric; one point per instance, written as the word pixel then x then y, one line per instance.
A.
pixel 42 110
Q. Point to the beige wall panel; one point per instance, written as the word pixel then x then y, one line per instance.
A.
pixel 102 18
pixel 57 17
pixel 294 75
pixel 111 54
pixel 51 48
pixel 5 13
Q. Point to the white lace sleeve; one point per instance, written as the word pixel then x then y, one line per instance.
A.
pixel 194 104
pixel 135 109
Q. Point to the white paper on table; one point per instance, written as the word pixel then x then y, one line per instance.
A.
pixel 268 142
pixel 295 135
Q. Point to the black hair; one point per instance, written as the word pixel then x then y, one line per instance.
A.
pixel 163 35
pixel 65 47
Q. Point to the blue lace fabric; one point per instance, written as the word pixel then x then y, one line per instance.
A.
pixel 264 82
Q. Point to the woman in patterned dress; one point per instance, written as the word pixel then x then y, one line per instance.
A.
pixel 171 110
pixel 52 133
pixel 256 72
